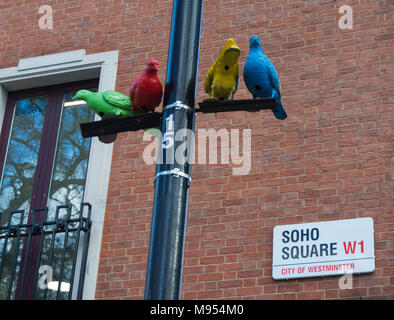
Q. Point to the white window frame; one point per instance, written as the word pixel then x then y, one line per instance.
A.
pixel 68 67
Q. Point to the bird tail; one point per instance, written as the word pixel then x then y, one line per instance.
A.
pixel 279 112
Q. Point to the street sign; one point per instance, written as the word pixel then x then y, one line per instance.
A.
pixel 323 249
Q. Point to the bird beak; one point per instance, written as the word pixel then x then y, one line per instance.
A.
pixel 255 42
pixel 152 67
pixel 76 96
pixel 233 52
pixel 234 48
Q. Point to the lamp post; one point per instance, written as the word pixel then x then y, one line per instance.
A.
pixel 172 180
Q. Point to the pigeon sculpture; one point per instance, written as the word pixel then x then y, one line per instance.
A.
pixel 261 78
pixel 146 91
pixel 106 103
pixel 221 81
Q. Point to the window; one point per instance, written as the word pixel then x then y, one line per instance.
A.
pixel 43 163
pixel 67 67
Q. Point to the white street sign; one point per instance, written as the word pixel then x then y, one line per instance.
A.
pixel 323 249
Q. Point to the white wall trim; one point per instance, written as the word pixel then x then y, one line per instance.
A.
pixel 62 68
pixel 3 102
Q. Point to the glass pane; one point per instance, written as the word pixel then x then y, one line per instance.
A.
pixel 54 259
pixel 67 187
pixel 17 182
pixel 72 154
pixel 21 160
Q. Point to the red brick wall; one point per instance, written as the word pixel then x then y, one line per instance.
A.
pixel 331 159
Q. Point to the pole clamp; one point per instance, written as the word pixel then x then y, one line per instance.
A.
pixel 176 172
pixel 178 105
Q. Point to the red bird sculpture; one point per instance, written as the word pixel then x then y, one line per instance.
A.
pixel 146 91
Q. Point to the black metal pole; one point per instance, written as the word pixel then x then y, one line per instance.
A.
pixel 173 175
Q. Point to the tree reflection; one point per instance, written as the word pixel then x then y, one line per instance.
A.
pixel 19 171
pixel 69 172
pixel 66 186
pixel 21 161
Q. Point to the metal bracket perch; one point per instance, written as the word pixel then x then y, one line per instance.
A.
pixel 251 105
pixel 121 124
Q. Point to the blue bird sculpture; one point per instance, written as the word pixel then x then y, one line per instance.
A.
pixel 261 78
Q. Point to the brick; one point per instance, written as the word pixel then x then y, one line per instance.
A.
pixel 211 276
pixel 249 291
pixel 313 295
pixel 250 274
pixel 209 294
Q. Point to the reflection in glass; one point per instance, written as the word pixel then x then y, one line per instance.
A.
pixel 71 160
pixel 16 182
pixel 21 160
pixel 67 186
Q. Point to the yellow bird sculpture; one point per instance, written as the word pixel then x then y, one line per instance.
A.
pixel 222 79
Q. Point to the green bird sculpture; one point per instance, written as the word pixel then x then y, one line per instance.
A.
pixel 111 104
pixel 106 103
